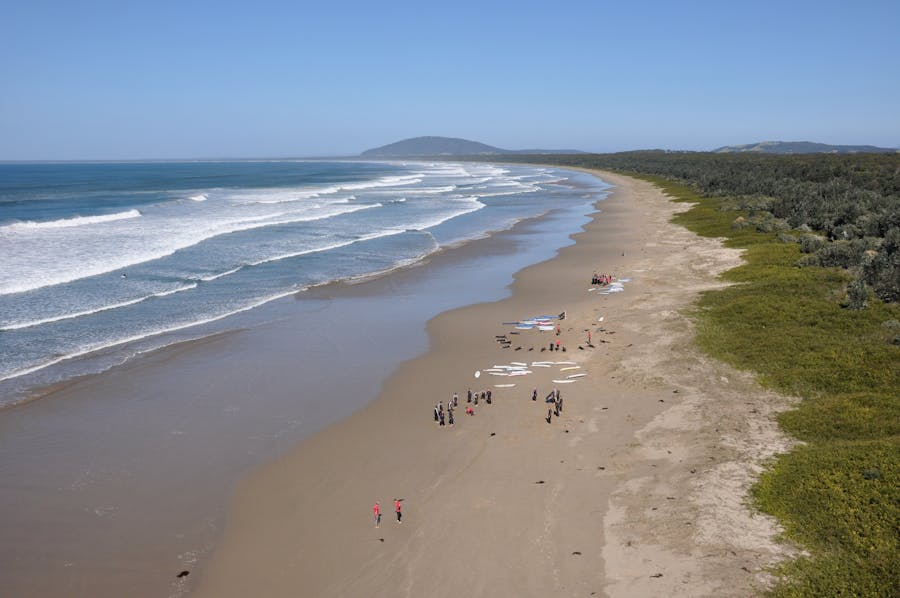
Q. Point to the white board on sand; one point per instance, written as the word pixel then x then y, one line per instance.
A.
pixel 576 375
pixel 564 381
pixel 565 363
pixel 518 363
pixel 540 365
pixel 545 328
pixel 571 367
pixel 503 385
pixel 477 373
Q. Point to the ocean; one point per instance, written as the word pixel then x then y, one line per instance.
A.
pixel 106 261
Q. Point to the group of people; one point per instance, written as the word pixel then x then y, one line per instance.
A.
pixel 397 508
pixel 439 412
pixel 554 397
pixel 445 416
pixel 601 279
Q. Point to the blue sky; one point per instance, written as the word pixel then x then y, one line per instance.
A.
pixel 122 80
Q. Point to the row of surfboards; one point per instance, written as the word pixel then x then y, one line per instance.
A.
pixel 518 368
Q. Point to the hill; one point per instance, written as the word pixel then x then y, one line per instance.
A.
pixel 446 146
pixel 803 147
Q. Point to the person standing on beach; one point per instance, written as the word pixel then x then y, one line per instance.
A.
pixel 589 337
pixel 534 394
pixel 441 416
pixel 436 416
pixel 468 395
pixel 450 415
pixel 455 400
pixel 397 508
pixel 377 511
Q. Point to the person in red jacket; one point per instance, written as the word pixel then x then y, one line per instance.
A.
pixel 397 508
pixel 377 511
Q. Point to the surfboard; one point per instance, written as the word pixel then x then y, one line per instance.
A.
pixel 503 385
pixel 564 381
pixel 571 367
pixel 576 375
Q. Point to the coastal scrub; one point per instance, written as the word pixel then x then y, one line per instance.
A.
pixel 837 493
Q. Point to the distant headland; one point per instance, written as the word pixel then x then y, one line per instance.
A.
pixel 803 147
pixel 448 146
pixel 453 146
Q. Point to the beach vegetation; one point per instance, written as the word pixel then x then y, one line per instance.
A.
pixel 852 201
pixel 837 493
pixel 816 319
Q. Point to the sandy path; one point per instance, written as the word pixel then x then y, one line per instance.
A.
pixel 644 473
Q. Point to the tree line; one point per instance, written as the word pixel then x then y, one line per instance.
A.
pixel 843 209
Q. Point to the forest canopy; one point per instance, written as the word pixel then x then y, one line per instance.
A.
pixel 843 209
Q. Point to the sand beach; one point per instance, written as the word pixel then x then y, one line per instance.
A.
pixel 637 488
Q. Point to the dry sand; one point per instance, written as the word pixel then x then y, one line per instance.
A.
pixel 638 488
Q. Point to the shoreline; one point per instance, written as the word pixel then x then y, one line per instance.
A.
pixel 141 460
pixel 596 502
pixel 31 384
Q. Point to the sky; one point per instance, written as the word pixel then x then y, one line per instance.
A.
pixel 196 79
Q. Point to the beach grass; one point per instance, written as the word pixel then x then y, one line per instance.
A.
pixel 837 493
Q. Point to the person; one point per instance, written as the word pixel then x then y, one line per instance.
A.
pixel 488 397
pixel 468 395
pixel 397 508
pixel 436 417
pixel 534 394
pixel 589 337
pixel 469 410
pixel 377 510
pixel 549 415
pixel 455 400
pixel 557 344
pixel 450 415
pixel 441 420
pixel 558 328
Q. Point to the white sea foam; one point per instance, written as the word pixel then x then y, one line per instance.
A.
pixel 200 197
pixel 88 312
pixel 69 222
pixel 137 337
pixel 27 278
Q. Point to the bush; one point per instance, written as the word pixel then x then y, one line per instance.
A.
pixel 857 294
pixel 811 243
pixel 787 238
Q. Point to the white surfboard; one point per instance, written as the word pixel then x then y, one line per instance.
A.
pixel 576 375
pixel 564 381
pixel 504 385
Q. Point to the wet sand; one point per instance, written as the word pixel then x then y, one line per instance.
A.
pixel 112 484
pixel 638 488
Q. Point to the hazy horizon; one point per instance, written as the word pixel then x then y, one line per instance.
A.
pixel 101 81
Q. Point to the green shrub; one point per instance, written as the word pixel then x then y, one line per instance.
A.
pixel 838 495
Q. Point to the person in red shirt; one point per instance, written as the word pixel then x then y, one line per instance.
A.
pixel 377 511
pixel 397 508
